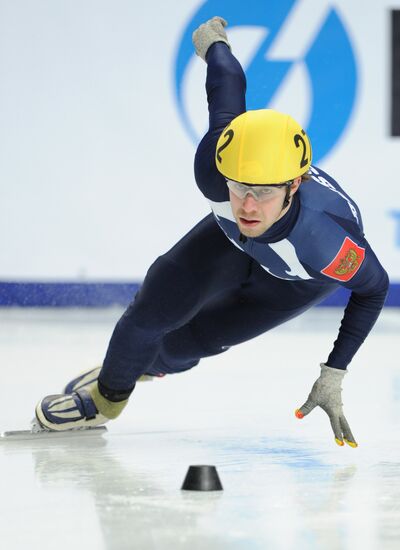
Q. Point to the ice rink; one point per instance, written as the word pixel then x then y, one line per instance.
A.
pixel 287 485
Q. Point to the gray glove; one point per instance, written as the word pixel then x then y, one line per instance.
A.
pixel 208 33
pixel 327 394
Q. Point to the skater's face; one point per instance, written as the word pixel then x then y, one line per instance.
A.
pixel 253 216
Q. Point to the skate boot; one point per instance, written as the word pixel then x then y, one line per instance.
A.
pixel 83 407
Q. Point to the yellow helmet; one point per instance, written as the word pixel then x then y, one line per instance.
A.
pixel 263 147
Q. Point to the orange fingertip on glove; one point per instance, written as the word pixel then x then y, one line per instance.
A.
pixel 298 414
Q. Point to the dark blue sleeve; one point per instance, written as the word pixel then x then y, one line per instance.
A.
pixel 369 290
pixel 226 89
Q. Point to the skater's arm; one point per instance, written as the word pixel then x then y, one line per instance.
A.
pixel 225 86
pixel 354 265
pixel 226 81
pixel 369 290
pixel 226 89
pixel 365 304
pixel 338 255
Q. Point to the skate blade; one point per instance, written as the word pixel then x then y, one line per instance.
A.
pixel 19 435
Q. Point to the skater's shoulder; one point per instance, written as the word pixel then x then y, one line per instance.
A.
pixel 320 191
pixel 324 201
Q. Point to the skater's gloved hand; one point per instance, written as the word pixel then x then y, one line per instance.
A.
pixel 327 394
pixel 208 33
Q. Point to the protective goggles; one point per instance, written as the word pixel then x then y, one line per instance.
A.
pixel 258 192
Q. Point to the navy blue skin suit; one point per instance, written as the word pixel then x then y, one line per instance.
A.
pixel 214 289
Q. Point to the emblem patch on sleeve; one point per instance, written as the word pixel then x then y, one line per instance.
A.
pixel 347 261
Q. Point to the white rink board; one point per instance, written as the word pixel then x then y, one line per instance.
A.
pixel 94 153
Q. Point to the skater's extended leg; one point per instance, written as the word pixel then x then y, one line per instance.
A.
pixel 202 266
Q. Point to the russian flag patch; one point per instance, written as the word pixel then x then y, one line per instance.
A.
pixel 347 261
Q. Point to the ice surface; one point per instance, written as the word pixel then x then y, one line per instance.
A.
pixel 286 484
